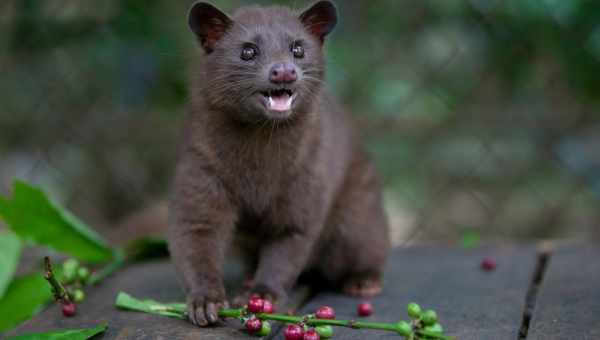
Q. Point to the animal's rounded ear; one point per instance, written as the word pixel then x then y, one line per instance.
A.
pixel 208 23
pixel 320 19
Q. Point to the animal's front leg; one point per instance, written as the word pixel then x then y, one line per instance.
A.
pixel 202 221
pixel 285 253
pixel 281 262
pixel 198 255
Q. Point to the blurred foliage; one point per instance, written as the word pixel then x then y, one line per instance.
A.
pixel 16 309
pixel 35 218
pixel 481 114
pixel 70 334
pixel 9 258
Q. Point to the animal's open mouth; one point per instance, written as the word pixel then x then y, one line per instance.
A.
pixel 279 100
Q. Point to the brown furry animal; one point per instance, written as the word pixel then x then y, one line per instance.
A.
pixel 268 157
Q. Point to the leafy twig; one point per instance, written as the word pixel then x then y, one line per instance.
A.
pixel 392 327
pixel 177 310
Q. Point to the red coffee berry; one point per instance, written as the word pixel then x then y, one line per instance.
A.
pixel 365 309
pixel 255 305
pixel 253 325
pixel 325 312
pixel 311 334
pixel 294 332
pixel 488 264
pixel 268 307
pixel 69 309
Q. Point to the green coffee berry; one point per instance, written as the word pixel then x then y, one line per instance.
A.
pixel 404 328
pixel 78 295
pixel 435 328
pixel 71 264
pixel 69 268
pixel 414 310
pixel 429 317
pixel 325 332
pixel 69 277
pixel 265 330
pixel 83 274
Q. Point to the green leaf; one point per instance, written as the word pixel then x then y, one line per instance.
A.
pixel 33 216
pixel 10 249
pixel 25 296
pixel 71 334
pixel 174 310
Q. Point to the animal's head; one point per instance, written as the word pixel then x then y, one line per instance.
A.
pixel 262 63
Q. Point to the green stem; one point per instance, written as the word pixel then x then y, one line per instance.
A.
pixel 434 335
pixel 178 310
pixel 231 313
pixel 237 313
pixel 116 264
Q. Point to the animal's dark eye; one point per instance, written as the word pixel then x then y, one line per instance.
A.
pixel 249 52
pixel 298 50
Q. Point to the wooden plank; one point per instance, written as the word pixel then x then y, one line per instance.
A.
pixel 568 301
pixel 154 280
pixel 472 304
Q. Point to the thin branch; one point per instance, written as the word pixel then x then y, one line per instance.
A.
pixel 58 290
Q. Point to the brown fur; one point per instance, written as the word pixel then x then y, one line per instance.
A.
pixel 298 191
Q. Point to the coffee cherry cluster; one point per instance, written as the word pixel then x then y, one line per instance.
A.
pixel 257 306
pixel 302 331
pixel 423 322
pixel 75 276
pixel 254 325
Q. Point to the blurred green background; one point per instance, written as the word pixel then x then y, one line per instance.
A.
pixel 483 115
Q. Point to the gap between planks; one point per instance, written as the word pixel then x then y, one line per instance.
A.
pixel 543 258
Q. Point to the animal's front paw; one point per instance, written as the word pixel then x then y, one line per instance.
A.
pixel 364 287
pixel 203 306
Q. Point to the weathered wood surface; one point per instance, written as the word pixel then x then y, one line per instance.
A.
pixel 154 280
pixel 568 301
pixel 472 304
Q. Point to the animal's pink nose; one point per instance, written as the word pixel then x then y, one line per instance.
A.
pixel 283 73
